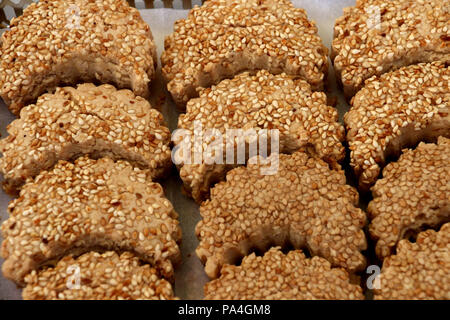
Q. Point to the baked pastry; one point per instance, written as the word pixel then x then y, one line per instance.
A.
pixel 225 37
pixel 304 205
pixel 88 120
pixel 419 270
pixel 378 36
pixel 396 110
pixel 95 276
pixel 261 101
pixel 64 42
pixel 279 276
pixel 91 204
pixel 414 193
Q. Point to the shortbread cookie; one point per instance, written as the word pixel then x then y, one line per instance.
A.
pixel 419 270
pixel 378 36
pixel 64 42
pixel 397 110
pixel 279 276
pixel 254 103
pixel 414 192
pixel 222 38
pixel 305 204
pixel 97 121
pixel 95 276
pixel 75 208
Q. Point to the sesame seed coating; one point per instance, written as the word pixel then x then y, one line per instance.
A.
pixel 305 204
pixel 262 101
pixel 278 276
pixel 106 276
pixel 75 208
pixel 59 42
pixel 414 191
pixel 222 38
pixel 419 270
pixel 398 109
pixel 378 36
pixel 97 121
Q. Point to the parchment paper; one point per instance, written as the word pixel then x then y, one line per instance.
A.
pixel 190 276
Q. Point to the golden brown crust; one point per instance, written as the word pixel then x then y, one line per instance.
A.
pixel 278 276
pixel 304 204
pixel 396 110
pixel 57 42
pixel 262 101
pixel 90 204
pixel 95 276
pixel 87 120
pixel 378 36
pixel 413 193
pixel 419 270
pixel 222 38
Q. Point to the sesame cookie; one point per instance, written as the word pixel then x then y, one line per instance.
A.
pixel 305 204
pixel 75 208
pixel 222 38
pixel 63 42
pixel 378 36
pixel 279 276
pixel 396 110
pixel 95 276
pixel 413 193
pixel 88 120
pixel 419 270
pixel 256 102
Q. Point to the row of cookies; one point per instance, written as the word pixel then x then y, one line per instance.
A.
pixel 392 57
pixel 288 64
pixel 89 222
pixel 405 100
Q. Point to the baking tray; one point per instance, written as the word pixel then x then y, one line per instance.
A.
pixel 190 277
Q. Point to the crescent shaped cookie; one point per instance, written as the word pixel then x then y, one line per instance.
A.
pixel 254 103
pixel 64 42
pixel 413 193
pixel 279 276
pixel 223 38
pixel 87 120
pixel 75 208
pixel 396 110
pixel 378 36
pixel 95 276
pixel 419 270
pixel 304 204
